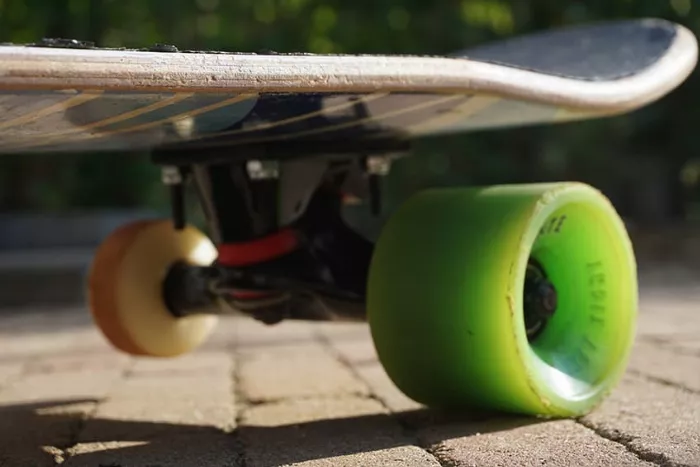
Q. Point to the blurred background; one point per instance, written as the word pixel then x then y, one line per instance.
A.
pixel 648 162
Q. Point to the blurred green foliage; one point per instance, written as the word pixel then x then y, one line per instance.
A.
pixel 648 162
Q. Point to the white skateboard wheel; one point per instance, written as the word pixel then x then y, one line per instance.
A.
pixel 126 289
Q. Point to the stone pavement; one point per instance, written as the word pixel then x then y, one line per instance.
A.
pixel 314 395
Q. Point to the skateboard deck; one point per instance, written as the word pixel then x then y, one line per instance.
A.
pixel 68 96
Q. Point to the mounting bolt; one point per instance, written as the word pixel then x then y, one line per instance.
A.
pixel 263 170
pixel 171 175
pixel 378 165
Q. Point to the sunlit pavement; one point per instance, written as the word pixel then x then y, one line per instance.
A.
pixel 314 394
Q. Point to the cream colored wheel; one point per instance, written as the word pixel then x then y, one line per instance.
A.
pixel 126 288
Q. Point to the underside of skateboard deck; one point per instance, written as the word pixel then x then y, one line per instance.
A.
pixel 67 96
pixel 520 298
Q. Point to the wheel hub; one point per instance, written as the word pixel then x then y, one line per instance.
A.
pixel 539 299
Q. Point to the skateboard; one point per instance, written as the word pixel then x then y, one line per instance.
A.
pixel 517 298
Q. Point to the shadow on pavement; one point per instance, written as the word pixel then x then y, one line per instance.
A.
pixel 41 433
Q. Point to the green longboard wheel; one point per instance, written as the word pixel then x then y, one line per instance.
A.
pixel 519 298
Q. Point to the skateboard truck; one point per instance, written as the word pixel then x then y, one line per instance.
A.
pixel 172 177
pixel 284 250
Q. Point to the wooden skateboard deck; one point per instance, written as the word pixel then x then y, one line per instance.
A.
pixel 66 96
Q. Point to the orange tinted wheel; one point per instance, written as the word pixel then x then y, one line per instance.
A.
pixel 126 289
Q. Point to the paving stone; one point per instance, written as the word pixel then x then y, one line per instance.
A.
pixel 42 409
pixel 144 407
pixel 660 423
pixel 524 442
pixel 347 431
pixel 43 319
pixel 356 352
pixel 342 331
pixel 678 343
pixel 361 355
pixel 71 386
pixel 87 362
pixel 664 317
pixel 177 385
pixel 295 371
pixel 172 450
pixel 223 336
pixel 25 346
pixel 30 433
pixel 119 420
pixel 63 384
pixel 9 371
pixel 200 362
pixel 47 410
pixel 385 390
pixel 658 362
pixel 689 344
pixel 246 333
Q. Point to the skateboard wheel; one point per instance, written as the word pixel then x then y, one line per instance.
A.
pixel 126 289
pixel 457 322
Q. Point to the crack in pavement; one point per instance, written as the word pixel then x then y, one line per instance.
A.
pixel 240 405
pixel 625 441
pixel 663 381
pixel 670 345
pixel 23 371
pixel 76 428
pixel 408 431
pixel 79 425
pixel 441 453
